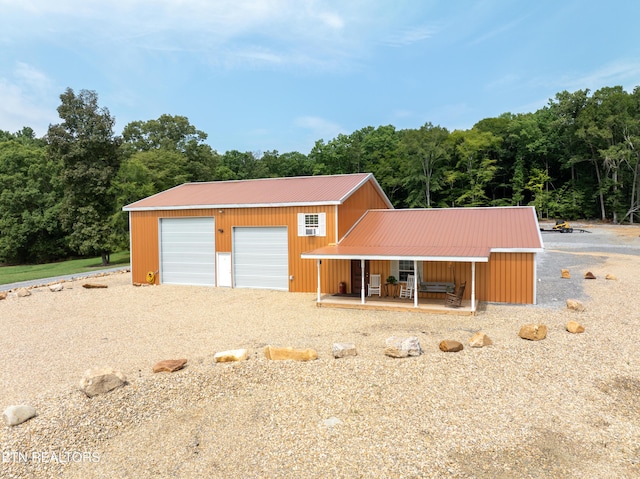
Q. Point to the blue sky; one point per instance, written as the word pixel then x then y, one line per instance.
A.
pixel 260 75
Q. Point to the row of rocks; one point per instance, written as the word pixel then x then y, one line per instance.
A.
pixel 102 380
pixel 404 347
pixel 536 332
pixel 566 274
pixel 58 286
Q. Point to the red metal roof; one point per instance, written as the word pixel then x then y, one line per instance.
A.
pixel 446 234
pixel 300 190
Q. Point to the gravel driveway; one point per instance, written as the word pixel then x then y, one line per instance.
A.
pixel 579 253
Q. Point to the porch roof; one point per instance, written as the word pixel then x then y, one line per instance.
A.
pixel 446 234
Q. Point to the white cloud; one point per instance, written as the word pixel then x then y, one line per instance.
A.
pixel 409 36
pixel 318 127
pixel 24 97
pixel 626 74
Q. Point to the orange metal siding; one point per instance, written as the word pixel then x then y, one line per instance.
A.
pixel 365 198
pixel 145 254
pixel 507 278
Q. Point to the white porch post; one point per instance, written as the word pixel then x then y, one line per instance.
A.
pixel 415 283
pixel 473 286
pixel 363 280
pixel 319 262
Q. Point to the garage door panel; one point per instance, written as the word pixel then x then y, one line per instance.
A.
pixel 187 249
pixel 261 258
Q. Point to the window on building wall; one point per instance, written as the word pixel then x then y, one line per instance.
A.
pixel 312 224
pixel 405 268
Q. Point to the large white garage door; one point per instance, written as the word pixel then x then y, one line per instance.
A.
pixel 187 251
pixel 261 258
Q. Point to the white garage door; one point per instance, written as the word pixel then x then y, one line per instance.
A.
pixel 261 258
pixel 187 251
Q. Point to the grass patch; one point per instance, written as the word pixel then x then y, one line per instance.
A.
pixel 15 274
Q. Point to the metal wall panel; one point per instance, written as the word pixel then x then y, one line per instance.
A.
pixel 187 251
pixel 261 258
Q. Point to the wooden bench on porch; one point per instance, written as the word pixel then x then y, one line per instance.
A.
pixel 436 287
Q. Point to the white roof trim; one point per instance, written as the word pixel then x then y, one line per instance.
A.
pixel 517 250
pixel 458 259
pixel 231 206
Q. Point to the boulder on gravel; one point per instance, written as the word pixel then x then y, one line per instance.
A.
pixel 480 340
pixel 169 365
pixel 341 350
pixel 101 380
pixel 15 415
pixel 94 285
pixel 575 327
pixel 611 277
pixel 397 347
pixel 565 274
pixel 533 332
pixel 281 354
pixel 54 288
pixel 23 292
pixel 575 305
pixel 450 346
pixel 230 356
pixel 3 295
pixel 589 275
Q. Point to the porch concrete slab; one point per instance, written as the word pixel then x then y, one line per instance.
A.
pixel 432 306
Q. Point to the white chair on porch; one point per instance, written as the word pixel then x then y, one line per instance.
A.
pixel 406 291
pixel 374 285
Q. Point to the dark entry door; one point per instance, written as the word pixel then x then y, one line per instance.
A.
pixel 357 276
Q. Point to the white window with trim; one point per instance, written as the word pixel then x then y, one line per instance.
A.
pixel 312 224
pixel 405 268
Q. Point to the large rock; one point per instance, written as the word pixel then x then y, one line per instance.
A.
pixel 533 332
pixel 565 274
pixel 54 288
pixel 15 415
pixel 575 327
pixel 23 292
pixel 94 285
pixel 397 347
pixel 101 380
pixel 230 356
pixel 3 295
pixel 289 353
pixel 575 305
pixel 480 340
pixel 450 346
pixel 169 365
pixel 341 350
pixel 589 275
pixel 611 277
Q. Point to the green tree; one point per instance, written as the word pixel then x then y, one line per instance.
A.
pixel 172 134
pixel 426 150
pixel 475 167
pixel 85 145
pixel 29 201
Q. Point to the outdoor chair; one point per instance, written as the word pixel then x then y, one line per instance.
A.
pixel 374 285
pixel 454 300
pixel 406 290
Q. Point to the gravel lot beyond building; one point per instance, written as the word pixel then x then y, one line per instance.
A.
pixel 562 407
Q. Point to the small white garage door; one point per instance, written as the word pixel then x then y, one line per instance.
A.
pixel 261 258
pixel 187 251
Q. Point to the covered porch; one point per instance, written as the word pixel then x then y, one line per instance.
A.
pixel 419 301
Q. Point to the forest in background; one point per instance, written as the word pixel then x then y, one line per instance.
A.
pixel 62 195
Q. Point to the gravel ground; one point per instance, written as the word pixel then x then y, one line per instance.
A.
pixel 562 407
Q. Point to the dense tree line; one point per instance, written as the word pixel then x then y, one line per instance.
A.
pixel 61 195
